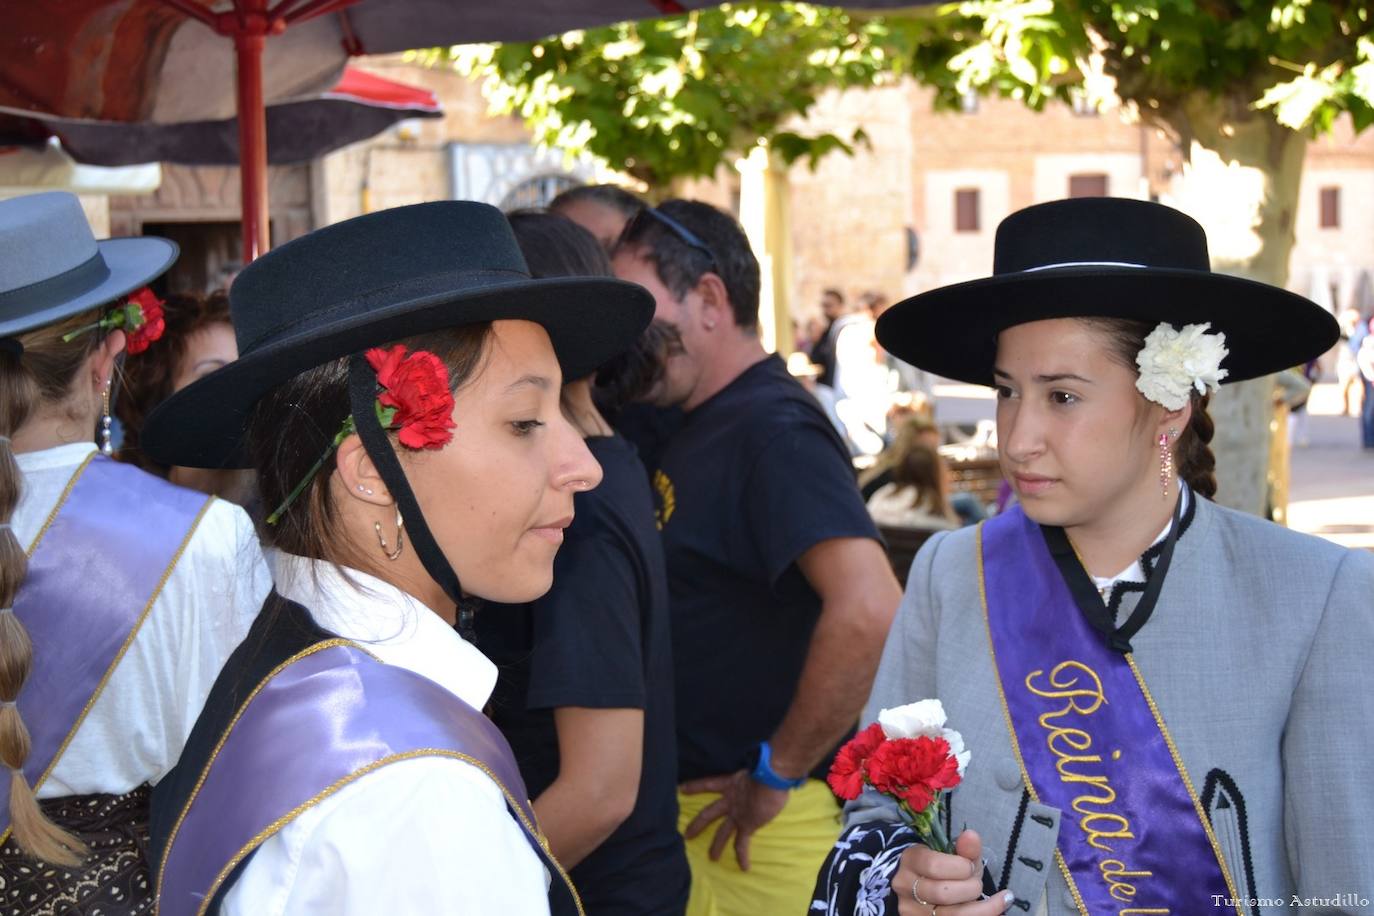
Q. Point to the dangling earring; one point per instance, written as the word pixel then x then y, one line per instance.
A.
pixel 106 447
pixel 1166 464
pixel 400 540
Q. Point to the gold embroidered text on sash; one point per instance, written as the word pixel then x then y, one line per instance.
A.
pixel 1081 688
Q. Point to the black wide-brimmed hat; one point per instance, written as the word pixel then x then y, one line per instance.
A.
pixel 375 279
pixel 1106 258
pixel 52 267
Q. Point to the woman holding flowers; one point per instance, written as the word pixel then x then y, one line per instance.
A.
pixel 397 392
pixel 1160 695
pixel 107 645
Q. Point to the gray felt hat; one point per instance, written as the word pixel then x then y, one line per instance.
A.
pixel 52 267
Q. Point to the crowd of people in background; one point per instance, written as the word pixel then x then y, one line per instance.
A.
pixel 1355 371
pixel 536 465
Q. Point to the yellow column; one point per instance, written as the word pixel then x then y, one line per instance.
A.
pixel 763 212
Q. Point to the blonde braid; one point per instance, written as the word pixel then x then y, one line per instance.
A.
pixel 44 372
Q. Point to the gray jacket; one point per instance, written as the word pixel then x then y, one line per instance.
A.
pixel 1257 655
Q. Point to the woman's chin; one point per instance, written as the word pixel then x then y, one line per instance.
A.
pixel 515 588
pixel 1047 512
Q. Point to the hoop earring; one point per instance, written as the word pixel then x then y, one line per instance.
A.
pixel 1166 464
pixel 400 540
pixel 106 421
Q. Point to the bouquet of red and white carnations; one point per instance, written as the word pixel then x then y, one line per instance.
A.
pixel 907 755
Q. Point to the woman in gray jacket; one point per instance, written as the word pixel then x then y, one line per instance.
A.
pixel 1162 697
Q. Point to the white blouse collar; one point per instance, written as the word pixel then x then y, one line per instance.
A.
pixel 386 621
pixel 59 456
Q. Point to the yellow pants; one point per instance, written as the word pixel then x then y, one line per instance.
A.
pixel 785 856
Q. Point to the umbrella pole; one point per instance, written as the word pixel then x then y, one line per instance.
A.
pixel 248 47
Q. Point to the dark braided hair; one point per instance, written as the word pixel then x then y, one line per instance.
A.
pixel 1193 454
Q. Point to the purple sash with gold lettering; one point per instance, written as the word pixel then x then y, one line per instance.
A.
pixel 1133 838
pixel 320 721
pixel 95 570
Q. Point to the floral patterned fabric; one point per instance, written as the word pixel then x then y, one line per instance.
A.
pixel 856 879
pixel 113 881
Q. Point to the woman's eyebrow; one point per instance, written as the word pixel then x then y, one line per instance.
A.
pixel 1062 377
pixel 543 383
pixel 1045 379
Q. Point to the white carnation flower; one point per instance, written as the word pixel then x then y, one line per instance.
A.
pixel 1175 363
pixel 956 747
pixel 914 720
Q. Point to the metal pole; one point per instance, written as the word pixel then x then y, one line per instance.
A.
pixel 250 34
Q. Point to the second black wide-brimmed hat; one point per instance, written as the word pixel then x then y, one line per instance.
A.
pixel 374 279
pixel 1109 258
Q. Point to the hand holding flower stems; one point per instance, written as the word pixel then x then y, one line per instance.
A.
pixel 909 756
pixel 930 883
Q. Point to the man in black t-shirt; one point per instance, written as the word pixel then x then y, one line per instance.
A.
pixel 598 644
pixel 779 590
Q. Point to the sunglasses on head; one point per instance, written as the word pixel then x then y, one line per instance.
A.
pixel 685 235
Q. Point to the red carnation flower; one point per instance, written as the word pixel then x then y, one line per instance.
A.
pixel 148 325
pixel 416 391
pixel 914 770
pixel 846 777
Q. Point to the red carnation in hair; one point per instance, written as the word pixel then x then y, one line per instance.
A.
pixel 914 770
pixel 417 394
pixel 148 326
pixel 846 776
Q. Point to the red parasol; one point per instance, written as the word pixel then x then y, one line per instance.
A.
pixel 359 106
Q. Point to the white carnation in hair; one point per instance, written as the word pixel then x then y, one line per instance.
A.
pixel 1175 363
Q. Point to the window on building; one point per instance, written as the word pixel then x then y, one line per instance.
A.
pixel 966 210
pixel 1085 107
pixel 1331 208
pixel 1087 185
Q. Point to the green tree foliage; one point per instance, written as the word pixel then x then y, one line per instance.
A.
pixel 677 97
pixel 1306 60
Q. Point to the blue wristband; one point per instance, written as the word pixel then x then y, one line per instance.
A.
pixel 763 771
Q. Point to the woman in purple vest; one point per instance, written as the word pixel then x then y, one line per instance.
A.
pixel 1164 698
pixel 120 594
pixel 397 392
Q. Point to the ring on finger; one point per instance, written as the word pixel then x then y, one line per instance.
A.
pixel 917 895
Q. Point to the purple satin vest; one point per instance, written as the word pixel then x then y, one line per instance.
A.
pixel 325 718
pixel 93 575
